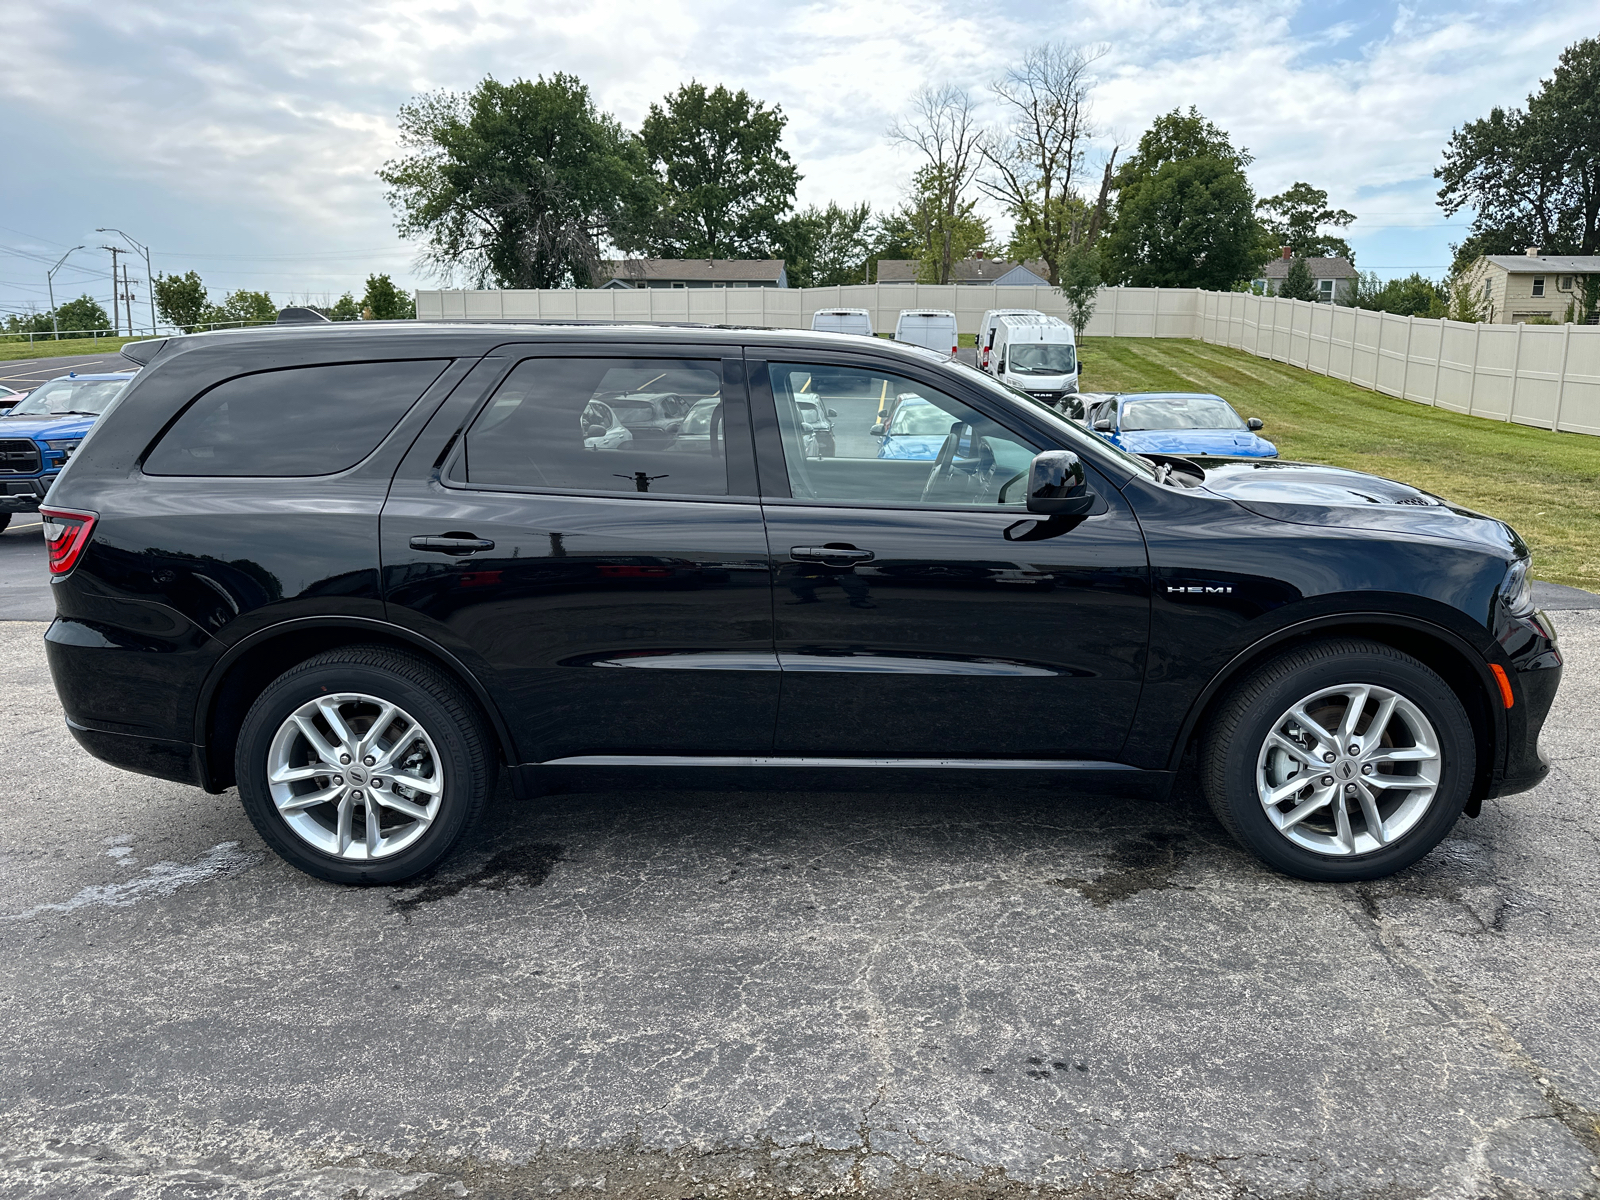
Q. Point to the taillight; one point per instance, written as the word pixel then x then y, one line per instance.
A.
pixel 66 533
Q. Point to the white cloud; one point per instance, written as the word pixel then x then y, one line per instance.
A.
pixel 242 139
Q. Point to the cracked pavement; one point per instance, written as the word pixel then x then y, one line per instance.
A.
pixel 979 991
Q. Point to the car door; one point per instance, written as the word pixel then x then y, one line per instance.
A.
pixel 919 613
pixel 615 599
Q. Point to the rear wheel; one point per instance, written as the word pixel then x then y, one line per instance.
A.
pixel 363 765
pixel 1342 760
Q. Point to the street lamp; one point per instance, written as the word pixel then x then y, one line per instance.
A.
pixel 50 281
pixel 149 279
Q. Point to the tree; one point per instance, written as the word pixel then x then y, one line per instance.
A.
pixel 827 246
pixel 1295 218
pixel 1532 177
pixel 941 237
pixel 1185 214
pixel 1034 162
pixel 1080 282
pixel 1464 306
pixel 346 309
pixel 1297 282
pixel 516 184
pixel 943 128
pixel 244 307
pixel 385 302
pixel 181 300
pixel 725 180
pixel 82 315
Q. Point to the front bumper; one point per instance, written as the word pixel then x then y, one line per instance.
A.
pixel 24 495
pixel 1536 656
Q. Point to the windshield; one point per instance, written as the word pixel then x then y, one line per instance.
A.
pixel 918 418
pixel 634 410
pixel 60 396
pixel 1179 412
pixel 1040 359
pixel 1070 432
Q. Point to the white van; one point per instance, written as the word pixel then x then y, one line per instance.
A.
pixel 842 320
pixel 934 328
pixel 1037 354
pixel 991 321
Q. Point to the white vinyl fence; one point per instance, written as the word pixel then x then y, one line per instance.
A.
pixel 1543 375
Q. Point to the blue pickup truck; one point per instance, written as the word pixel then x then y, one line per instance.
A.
pixel 38 435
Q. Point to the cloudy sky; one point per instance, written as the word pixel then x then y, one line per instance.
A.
pixel 240 140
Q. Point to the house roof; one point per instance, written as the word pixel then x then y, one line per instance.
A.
pixel 712 270
pixel 1321 268
pixel 1546 264
pixel 968 270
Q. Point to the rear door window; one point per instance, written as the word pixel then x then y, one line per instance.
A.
pixel 294 422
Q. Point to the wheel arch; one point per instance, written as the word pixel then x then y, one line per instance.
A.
pixel 249 665
pixel 1445 652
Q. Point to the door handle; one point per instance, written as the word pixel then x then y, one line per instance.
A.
pixel 835 556
pixel 452 543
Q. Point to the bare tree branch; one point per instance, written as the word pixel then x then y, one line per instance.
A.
pixel 943 127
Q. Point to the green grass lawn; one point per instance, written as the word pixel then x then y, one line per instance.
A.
pixel 10 350
pixel 1545 485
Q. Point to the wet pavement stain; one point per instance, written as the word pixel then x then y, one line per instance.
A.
pixel 518 867
pixel 1142 864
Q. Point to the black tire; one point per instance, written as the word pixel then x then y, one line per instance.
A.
pixel 1235 737
pixel 434 701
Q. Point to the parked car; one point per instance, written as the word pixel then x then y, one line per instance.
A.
pixel 817 418
pixel 654 420
pixel 702 427
pixel 991 320
pixel 842 320
pixel 1187 423
pixel 43 430
pixel 1036 354
pixel 9 399
pixel 932 328
pixel 358 570
pixel 602 430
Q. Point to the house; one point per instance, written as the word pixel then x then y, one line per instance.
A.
pixel 697 273
pixel 1335 278
pixel 1512 289
pixel 991 272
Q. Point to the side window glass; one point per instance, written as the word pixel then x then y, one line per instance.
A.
pixel 892 441
pixel 299 421
pixel 602 425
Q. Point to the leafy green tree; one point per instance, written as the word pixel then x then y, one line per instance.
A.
pixel 82 315
pixel 31 323
pixel 1532 177
pixel 1080 282
pixel 181 300
pixel 944 129
pixel 827 246
pixel 1464 306
pixel 1297 282
pixel 385 302
pixel 1185 214
pixel 345 309
pixel 724 179
pixel 943 237
pixel 516 184
pixel 244 306
pixel 1413 296
pixel 1296 217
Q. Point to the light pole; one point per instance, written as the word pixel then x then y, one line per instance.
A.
pixel 149 278
pixel 50 282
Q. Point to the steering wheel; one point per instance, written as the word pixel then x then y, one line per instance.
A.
pixel 943 463
pixel 1019 477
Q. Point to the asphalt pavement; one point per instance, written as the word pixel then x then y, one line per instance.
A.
pixel 26 374
pixel 996 990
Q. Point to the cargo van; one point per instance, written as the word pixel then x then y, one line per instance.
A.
pixel 933 328
pixel 991 321
pixel 842 320
pixel 1036 354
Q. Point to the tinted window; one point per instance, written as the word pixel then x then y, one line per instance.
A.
pixel 301 421
pixel 602 425
pixel 895 441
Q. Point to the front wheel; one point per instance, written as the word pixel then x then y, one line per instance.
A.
pixel 363 765
pixel 1341 761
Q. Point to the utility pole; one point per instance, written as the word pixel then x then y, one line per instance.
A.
pixel 50 281
pixel 127 297
pixel 116 309
pixel 149 275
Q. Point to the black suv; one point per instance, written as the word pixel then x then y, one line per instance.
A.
pixel 358 570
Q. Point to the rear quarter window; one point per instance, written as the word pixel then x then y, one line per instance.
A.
pixel 297 421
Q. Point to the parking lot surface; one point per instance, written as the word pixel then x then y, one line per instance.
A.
pixel 982 990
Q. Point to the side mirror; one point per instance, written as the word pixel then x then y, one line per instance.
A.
pixel 1057 485
pixel 878 430
pixel 1254 423
pixel 595 431
pixel 1103 425
pixel 833 412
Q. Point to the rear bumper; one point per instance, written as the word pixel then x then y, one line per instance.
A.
pixel 24 495
pixel 180 762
